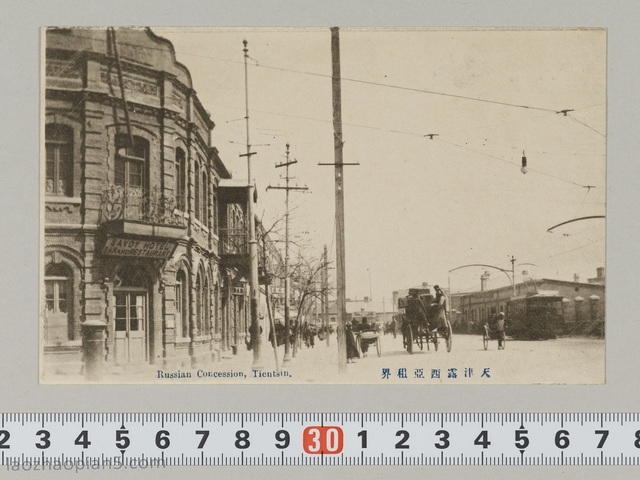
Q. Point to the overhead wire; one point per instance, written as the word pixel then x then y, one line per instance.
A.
pixel 584 124
pixel 576 248
pixel 387 85
pixel 355 80
pixel 414 134
pixel 509 162
pixel 411 89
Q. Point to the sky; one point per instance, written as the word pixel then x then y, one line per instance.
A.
pixel 417 208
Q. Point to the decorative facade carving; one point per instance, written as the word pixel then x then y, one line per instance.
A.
pixel 134 84
pixel 62 69
pixel 59 207
pixel 179 99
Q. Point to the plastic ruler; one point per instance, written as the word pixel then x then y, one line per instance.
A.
pixel 158 440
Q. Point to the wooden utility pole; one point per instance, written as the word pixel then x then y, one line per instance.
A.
pixel 254 329
pixel 287 286
pixel 513 274
pixel 325 294
pixel 339 181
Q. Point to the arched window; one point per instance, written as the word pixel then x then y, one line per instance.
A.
pixel 180 177
pixel 197 190
pixel 182 305
pixel 58 283
pixel 206 310
pixel 205 199
pixel 199 305
pixel 214 213
pixel 59 153
pixel 216 309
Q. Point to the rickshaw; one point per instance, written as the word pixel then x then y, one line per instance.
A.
pixel 369 337
pixel 416 325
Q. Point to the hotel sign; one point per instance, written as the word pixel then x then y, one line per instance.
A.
pixel 126 247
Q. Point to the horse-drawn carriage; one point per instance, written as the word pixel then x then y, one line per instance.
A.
pixel 424 320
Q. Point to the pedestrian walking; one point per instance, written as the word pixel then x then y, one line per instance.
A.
pixel 500 330
pixel 352 348
pixel 312 335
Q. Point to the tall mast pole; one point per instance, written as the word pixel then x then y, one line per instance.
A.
pixel 339 171
pixel 256 338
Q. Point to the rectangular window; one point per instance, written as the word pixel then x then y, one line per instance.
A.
pixel 50 295
pixel 58 156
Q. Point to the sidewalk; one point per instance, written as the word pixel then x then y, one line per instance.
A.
pixel 318 365
pixel 309 365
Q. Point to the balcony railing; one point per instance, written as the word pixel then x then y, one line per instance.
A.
pixel 134 204
pixel 233 241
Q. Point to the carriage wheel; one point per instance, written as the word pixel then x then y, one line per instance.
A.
pixel 449 337
pixel 379 346
pixel 485 341
pixel 419 339
pixel 435 340
pixel 409 341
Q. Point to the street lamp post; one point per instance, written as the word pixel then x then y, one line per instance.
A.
pixel 513 269
pixel 512 277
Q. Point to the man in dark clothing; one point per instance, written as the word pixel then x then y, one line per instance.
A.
pixel 416 310
pixel 500 330
pixel 441 302
pixel 352 348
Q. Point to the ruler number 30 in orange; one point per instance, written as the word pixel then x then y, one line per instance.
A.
pixel 327 440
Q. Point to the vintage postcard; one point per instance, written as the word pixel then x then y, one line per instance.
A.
pixel 323 206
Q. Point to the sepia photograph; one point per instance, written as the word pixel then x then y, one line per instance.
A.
pixel 375 206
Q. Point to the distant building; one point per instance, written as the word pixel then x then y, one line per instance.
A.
pixel 582 311
pixel 376 312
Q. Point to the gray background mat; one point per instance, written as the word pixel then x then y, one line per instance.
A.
pixel 20 82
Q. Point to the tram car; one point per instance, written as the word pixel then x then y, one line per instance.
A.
pixel 535 317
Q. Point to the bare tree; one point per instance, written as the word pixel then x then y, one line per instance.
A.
pixel 306 274
pixel 271 266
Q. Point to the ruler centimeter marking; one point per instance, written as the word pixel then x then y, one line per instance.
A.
pixel 264 439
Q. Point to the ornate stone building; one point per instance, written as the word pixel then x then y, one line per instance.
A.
pixel 144 230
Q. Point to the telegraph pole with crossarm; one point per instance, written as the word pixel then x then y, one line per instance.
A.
pixel 286 188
